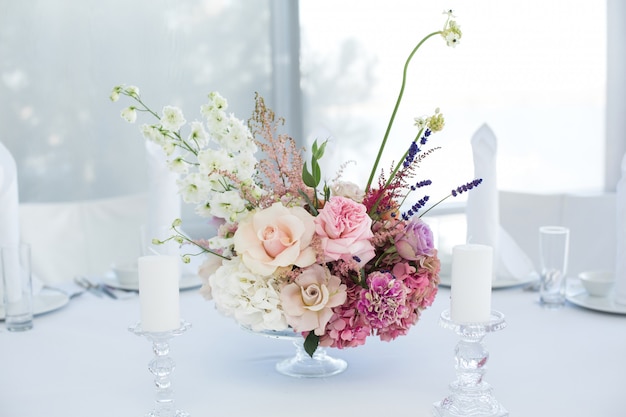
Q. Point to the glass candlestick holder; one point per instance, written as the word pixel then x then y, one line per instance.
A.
pixel 469 394
pixel 161 366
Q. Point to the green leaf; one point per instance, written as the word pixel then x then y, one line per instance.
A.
pixel 318 152
pixel 307 178
pixel 326 192
pixel 316 172
pixel 310 343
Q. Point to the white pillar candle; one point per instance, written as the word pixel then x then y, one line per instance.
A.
pixel 159 296
pixel 470 291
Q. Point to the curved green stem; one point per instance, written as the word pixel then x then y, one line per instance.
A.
pixel 435 205
pixel 395 109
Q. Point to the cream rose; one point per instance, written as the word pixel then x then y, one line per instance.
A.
pixel 308 301
pixel 278 236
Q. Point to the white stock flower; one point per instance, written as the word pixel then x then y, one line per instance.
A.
pixel 203 210
pixel 172 118
pixel 153 134
pixel 169 146
pixel 132 91
pixel 129 114
pixel 178 165
pixel 218 100
pixel 212 160
pixel 244 165
pixel 193 188
pixel 115 93
pixel 221 243
pixel 217 182
pixel 198 135
pixel 216 120
pixel 251 299
pixel 237 136
pixel 228 205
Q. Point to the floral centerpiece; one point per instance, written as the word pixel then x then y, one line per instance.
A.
pixel 334 261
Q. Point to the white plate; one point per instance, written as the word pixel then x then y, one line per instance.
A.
pixel 45 302
pixel 187 282
pixel 604 304
pixel 444 281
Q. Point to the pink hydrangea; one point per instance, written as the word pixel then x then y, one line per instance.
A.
pixel 422 282
pixel 346 328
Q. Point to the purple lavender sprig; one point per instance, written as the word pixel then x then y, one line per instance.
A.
pixel 466 187
pixel 457 191
pixel 415 208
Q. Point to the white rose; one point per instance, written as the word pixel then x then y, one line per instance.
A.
pixel 349 190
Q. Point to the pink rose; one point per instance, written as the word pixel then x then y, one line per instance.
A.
pixel 345 230
pixel 416 241
pixel 276 237
pixel 308 301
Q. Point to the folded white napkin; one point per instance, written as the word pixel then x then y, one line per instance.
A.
pixel 164 201
pixel 483 218
pixel 9 203
pixel 620 267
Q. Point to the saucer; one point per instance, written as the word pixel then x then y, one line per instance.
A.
pixel 45 302
pixel 187 282
pixel 604 304
pixel 445 281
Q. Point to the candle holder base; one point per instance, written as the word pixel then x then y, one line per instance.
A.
pixel 470 395
pixel 161 366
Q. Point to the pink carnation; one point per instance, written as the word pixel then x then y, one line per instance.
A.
pixel 385 303
pixel 345 231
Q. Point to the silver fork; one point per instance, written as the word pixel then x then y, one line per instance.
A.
pixel 96 289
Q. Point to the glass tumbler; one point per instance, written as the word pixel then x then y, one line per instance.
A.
pixel 553 254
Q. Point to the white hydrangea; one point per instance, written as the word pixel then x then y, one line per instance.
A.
pixel 251 299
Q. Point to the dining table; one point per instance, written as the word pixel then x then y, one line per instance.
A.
pixel 81 360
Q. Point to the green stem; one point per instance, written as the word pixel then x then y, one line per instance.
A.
pixel 435 205
pixel 204 250
pixel 395 109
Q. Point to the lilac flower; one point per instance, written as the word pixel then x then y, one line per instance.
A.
pixel 416 241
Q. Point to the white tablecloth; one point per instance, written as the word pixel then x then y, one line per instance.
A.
pixel 82 361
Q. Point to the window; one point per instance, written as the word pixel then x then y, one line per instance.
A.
pixel 534 71
pixel 60 59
